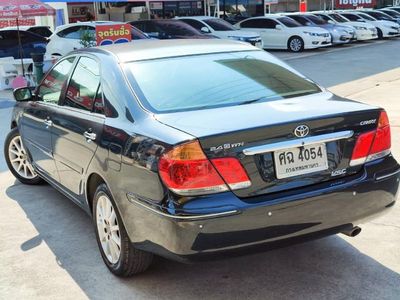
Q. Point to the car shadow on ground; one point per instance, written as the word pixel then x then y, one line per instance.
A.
pixel 326 268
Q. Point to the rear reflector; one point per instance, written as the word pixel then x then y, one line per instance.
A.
pixel 186 170
pixel 373 144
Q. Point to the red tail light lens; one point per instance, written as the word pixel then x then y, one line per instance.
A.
pixel 373 144
pixel 186 170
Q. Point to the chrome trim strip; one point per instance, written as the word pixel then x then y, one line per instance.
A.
pixel 133 199
pixel 323 138
pixel 387 175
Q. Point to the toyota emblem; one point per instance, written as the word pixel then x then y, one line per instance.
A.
pixel 301 131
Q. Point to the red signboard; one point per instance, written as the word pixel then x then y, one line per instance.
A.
pixel 303 6
pixel 354 3
pixel 113 34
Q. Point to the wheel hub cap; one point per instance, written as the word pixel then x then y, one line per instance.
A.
pixel 19 159
pixel 108 229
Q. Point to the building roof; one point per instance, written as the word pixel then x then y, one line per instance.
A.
pixel 153 49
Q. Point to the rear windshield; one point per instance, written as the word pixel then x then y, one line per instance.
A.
pixel 316 20
pixel 289 22
pixel 219 25
pixel 367 17
pixel 214 80
pixel 338 18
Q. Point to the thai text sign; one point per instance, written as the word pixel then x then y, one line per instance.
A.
pixel 113 34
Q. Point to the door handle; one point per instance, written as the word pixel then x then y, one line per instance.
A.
pixel 48 123
pixel 90 136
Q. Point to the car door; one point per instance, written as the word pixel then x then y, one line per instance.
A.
pixel 77 128
pixel 272 37
pixel 36 121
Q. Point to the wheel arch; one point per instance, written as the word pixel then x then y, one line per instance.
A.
pixel 93 181
pixel 292 37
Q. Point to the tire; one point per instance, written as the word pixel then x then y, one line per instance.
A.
pixel 128 260
pixel 18 161
pixel 295 44
pixel 380 34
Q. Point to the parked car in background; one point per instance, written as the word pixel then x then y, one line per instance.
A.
pixel 280 32
pixel 385 28
pixel 340 34
pixel 363 31
pixel 395 8
pixel 31 43
pixel 380 15
pixel 67 38
pixel 37 29
pixel 194 149
pixel 222 29
pixel 393 13
pixel 169 29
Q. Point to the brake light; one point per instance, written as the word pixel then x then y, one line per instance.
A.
pixel 373 144
pixel 186 170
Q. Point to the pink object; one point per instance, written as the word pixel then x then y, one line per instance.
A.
pixel 24 8
pixel 19 81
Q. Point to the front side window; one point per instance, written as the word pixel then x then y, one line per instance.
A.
pixel 303 21
pixel 367 17
pixel 83 85
pixel 52 85
pixel 255 23
pixel 219 25
pixel 338 18
pixel 316 20
pixel 224 79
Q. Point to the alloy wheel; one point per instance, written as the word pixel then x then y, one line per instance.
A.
pixel 108 229
pixel 19 159
pixel 295 45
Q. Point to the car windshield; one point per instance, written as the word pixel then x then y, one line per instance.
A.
pixel 391 13
pixel 214 80
pixel 288 22
pixel 316 20
pixel 219 25
pixel 379 15
pixel 338 18
pixel 367 17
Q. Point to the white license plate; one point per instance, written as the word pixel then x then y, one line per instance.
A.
pixel 298 161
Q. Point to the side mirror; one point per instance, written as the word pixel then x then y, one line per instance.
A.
pixel 278 27
pixel 23 94
pixel 205 30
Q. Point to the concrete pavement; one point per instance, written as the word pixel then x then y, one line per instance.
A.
pixel 48 248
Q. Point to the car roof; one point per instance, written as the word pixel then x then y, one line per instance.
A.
pixel 155 49
pixel 200 18
pixel 92 24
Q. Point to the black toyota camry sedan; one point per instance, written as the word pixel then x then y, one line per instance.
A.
pixel 193 149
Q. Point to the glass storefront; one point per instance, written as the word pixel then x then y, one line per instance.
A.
pixel 171 9
pixel 245 8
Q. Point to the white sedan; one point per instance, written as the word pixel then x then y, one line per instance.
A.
pixel 385 28
pixel 221 29
pixel 280 32
pixel 364 31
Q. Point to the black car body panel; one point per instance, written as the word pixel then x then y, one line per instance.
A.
pixel 129 141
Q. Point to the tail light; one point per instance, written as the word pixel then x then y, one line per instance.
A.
pixel 373 144
pixel 186 171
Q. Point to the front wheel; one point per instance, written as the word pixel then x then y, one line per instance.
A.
pixel 380 34
pixel 296 44
pixel 117 251
pixel 18 160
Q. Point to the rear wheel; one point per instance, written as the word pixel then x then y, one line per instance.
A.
pixel 296 44
pixel 117 251
pixel 18 160
pixel 380 34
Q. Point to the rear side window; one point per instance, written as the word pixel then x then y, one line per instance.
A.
pixel 224 79
pixel 50 89
pixel 255 23
pixel 75 32
pixel 84 84
pixel 42 31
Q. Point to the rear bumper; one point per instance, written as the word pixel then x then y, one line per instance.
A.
pixel 232 225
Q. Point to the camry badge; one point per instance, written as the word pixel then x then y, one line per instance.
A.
pixel 301 131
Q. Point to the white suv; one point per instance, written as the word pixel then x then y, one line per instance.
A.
pixel 67 38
